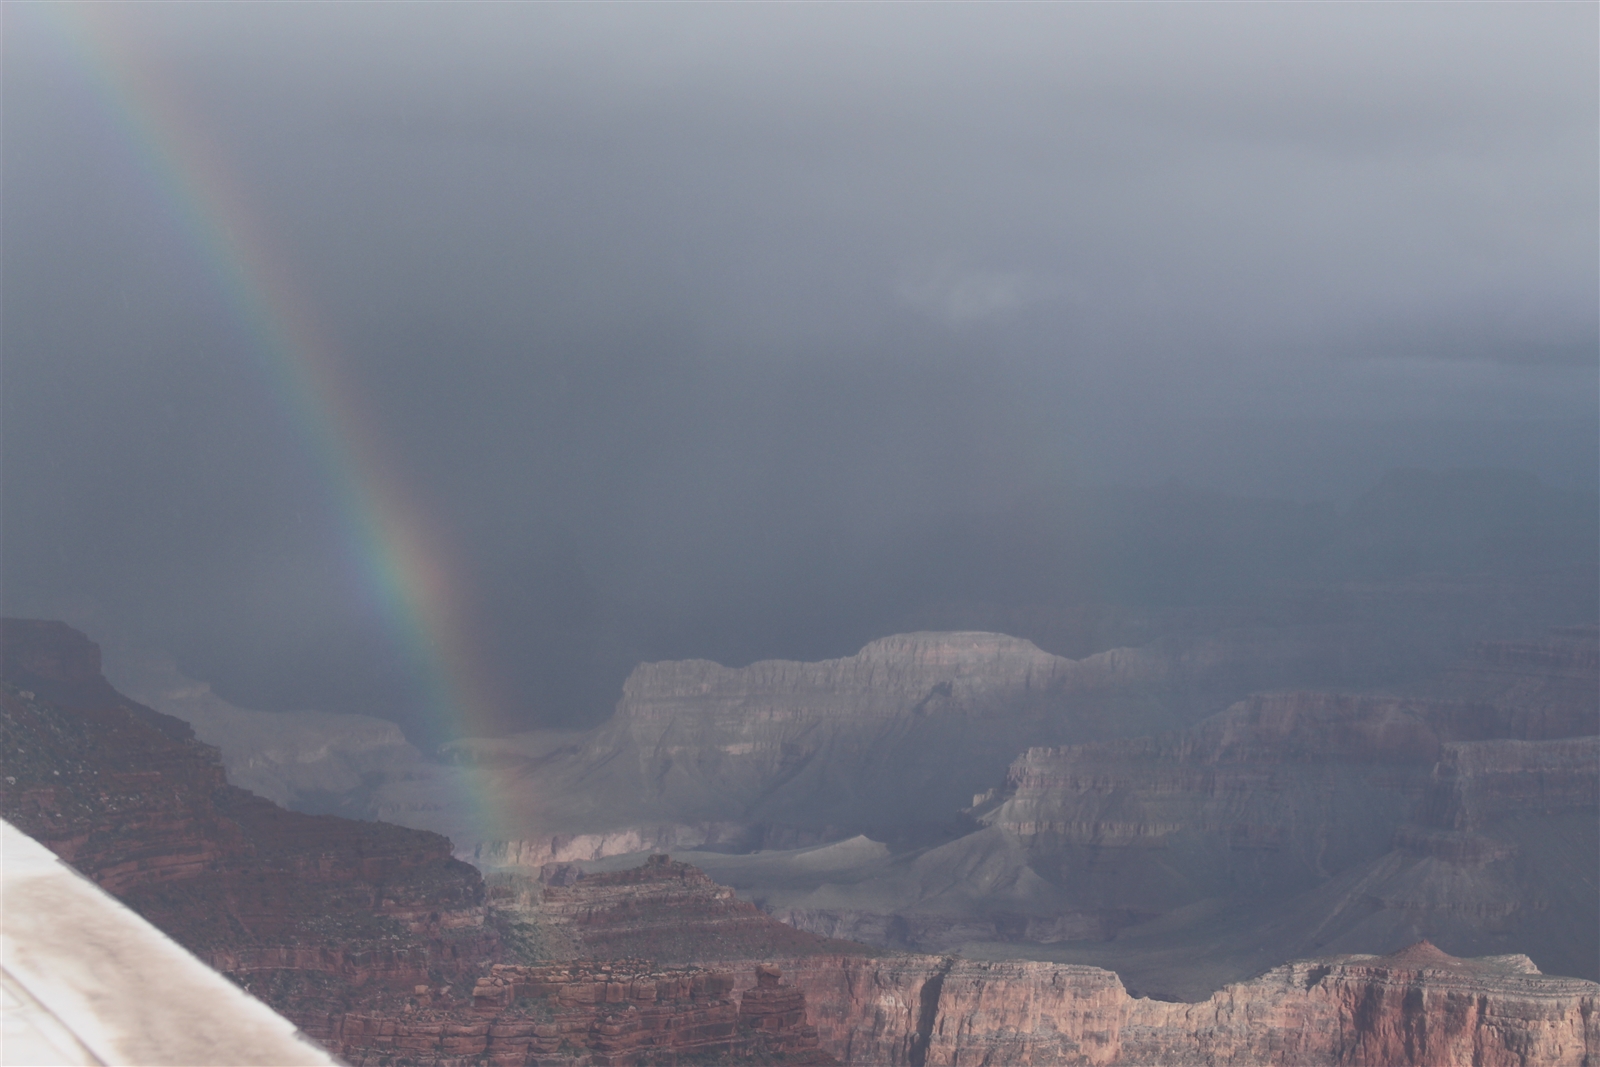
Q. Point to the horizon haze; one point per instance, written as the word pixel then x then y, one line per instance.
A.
pixel 444 362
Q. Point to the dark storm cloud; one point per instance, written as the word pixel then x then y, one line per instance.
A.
pixel 670 308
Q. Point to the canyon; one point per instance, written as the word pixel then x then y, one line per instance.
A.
pixel 1264 886
pixel 371 938
pixel 1291 824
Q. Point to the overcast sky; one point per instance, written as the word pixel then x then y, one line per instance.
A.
pixel 638 295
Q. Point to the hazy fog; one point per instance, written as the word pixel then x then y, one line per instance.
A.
pixel 697 330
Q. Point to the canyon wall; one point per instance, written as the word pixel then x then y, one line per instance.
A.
pixel 374 940
pixel 900 730
pixel 1416 1006
pixel 303 910
pixel 1290 824
pixel 616 1013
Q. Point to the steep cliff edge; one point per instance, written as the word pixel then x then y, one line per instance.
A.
pixel 1552 680
pixel 666 911
pixel 891 741
pixel 303 910
pixel 1291 824
pixel 890 735
pixel 619 1013
pixel 1416 1006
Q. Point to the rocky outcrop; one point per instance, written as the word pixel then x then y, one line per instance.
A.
pixel 1297 787
pixel 893 741
pixel 1291 824
pixel 613 1014
pixel 1478 782
pixel 1417 1006
pixel 534 853
pixel 893 738
pixel 1497 857
pixel 1552 683
pixel 303 760
pixel 1279 792
pixel 304 910
pixel 670 911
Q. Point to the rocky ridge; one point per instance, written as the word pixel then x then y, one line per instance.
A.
pixel 889 731
pixel 1292 824
pixel 667 910
pixel 81 767
pixel 370 937
pixel 306 911
pixel 1416 1006
pixel 612 1014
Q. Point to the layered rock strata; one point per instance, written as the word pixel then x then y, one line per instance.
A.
pixel 614 1014
pixel 1553 680
pixel 1476 783
pixel 892 740
pixel 306 911
pixel 1286 790
pixel 666 910
pixel 1291 824
pixel 1417 1006
pixel 907 719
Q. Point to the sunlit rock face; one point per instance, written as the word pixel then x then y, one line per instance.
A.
pixel 1416 1006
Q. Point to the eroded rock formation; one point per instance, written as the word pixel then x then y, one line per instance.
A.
pixel 895 731
pixel 1292 824
pixel 306 911
pixel 665 910
pixel 597 1014
pixel 374 940
pixel 1417 1006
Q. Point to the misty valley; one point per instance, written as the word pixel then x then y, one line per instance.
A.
pixel 1379 782
pixel 577 534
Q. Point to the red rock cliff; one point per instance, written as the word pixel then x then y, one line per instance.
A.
pixel 1417 1006
pixel 304 910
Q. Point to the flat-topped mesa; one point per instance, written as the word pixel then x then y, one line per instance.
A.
pixel 899 735
pixel 888 676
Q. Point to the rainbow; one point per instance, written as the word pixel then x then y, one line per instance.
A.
pixel 389 534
